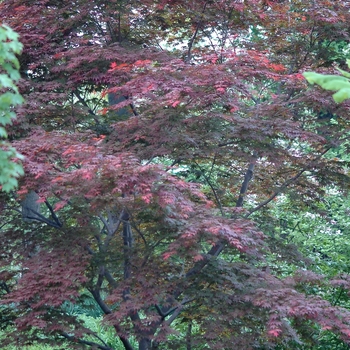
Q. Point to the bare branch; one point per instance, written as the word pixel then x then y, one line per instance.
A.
pixel 41 218
pixel 100 339
pixel 110 279
pixel 193 38
pixel 101 274
pixel 134 226
pixel 97 296
pixel 247 177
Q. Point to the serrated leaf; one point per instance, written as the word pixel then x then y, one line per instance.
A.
pixel 10 34
pixel 6 81
pixel 9 47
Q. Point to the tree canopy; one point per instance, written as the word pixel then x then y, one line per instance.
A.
pixel 161 140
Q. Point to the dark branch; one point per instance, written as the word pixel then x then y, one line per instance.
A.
pixel 86 342
pixel 286 184
pixel 97 296
pixel 111 227
pixel 42 218
pixel 247 177
pixel 84 103
pixel 193 38
pixel 53 214
pixel 206 178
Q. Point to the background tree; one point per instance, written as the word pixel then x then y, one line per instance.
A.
pixel 152 214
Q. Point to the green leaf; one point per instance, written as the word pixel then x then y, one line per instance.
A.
pixel 348 62
pixel 341 95
pixel 345 73
pixel 3 132
pixel 10 169
pixel 10 184
pixel 327 82
pixel 10 34
pixel 335 84
pixel 6 81
pixel 339 83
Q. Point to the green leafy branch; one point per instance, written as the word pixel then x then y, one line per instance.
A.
pixel 338 83
pixel 10 168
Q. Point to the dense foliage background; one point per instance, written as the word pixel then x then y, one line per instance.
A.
pixel 184 187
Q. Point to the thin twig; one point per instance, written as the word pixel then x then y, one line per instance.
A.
pixel 193 38
pixel 285 185
pixel 212 188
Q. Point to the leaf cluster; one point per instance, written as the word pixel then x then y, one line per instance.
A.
pixel 339 83
pixel 10 169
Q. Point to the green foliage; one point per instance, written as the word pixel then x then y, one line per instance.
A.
pixel 10 97
pixel 320 231
pixel 34 346
pixel 103 331
pixel 339 83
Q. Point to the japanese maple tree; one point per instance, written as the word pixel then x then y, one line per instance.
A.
pixel 155 136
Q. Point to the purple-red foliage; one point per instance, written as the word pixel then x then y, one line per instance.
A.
pixel 210 101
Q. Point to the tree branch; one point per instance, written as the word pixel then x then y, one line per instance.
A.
pixel 53 214
pixel 247 177
pixel 100 339
pixel 101 274
pixel 42 218
pixel 193 38
pixel 84 103
pixel 285 185
pixel 218 247
pixel 112 228
pixel 212 188
pixel 106 310
pixel 177 310
pixel 86 342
